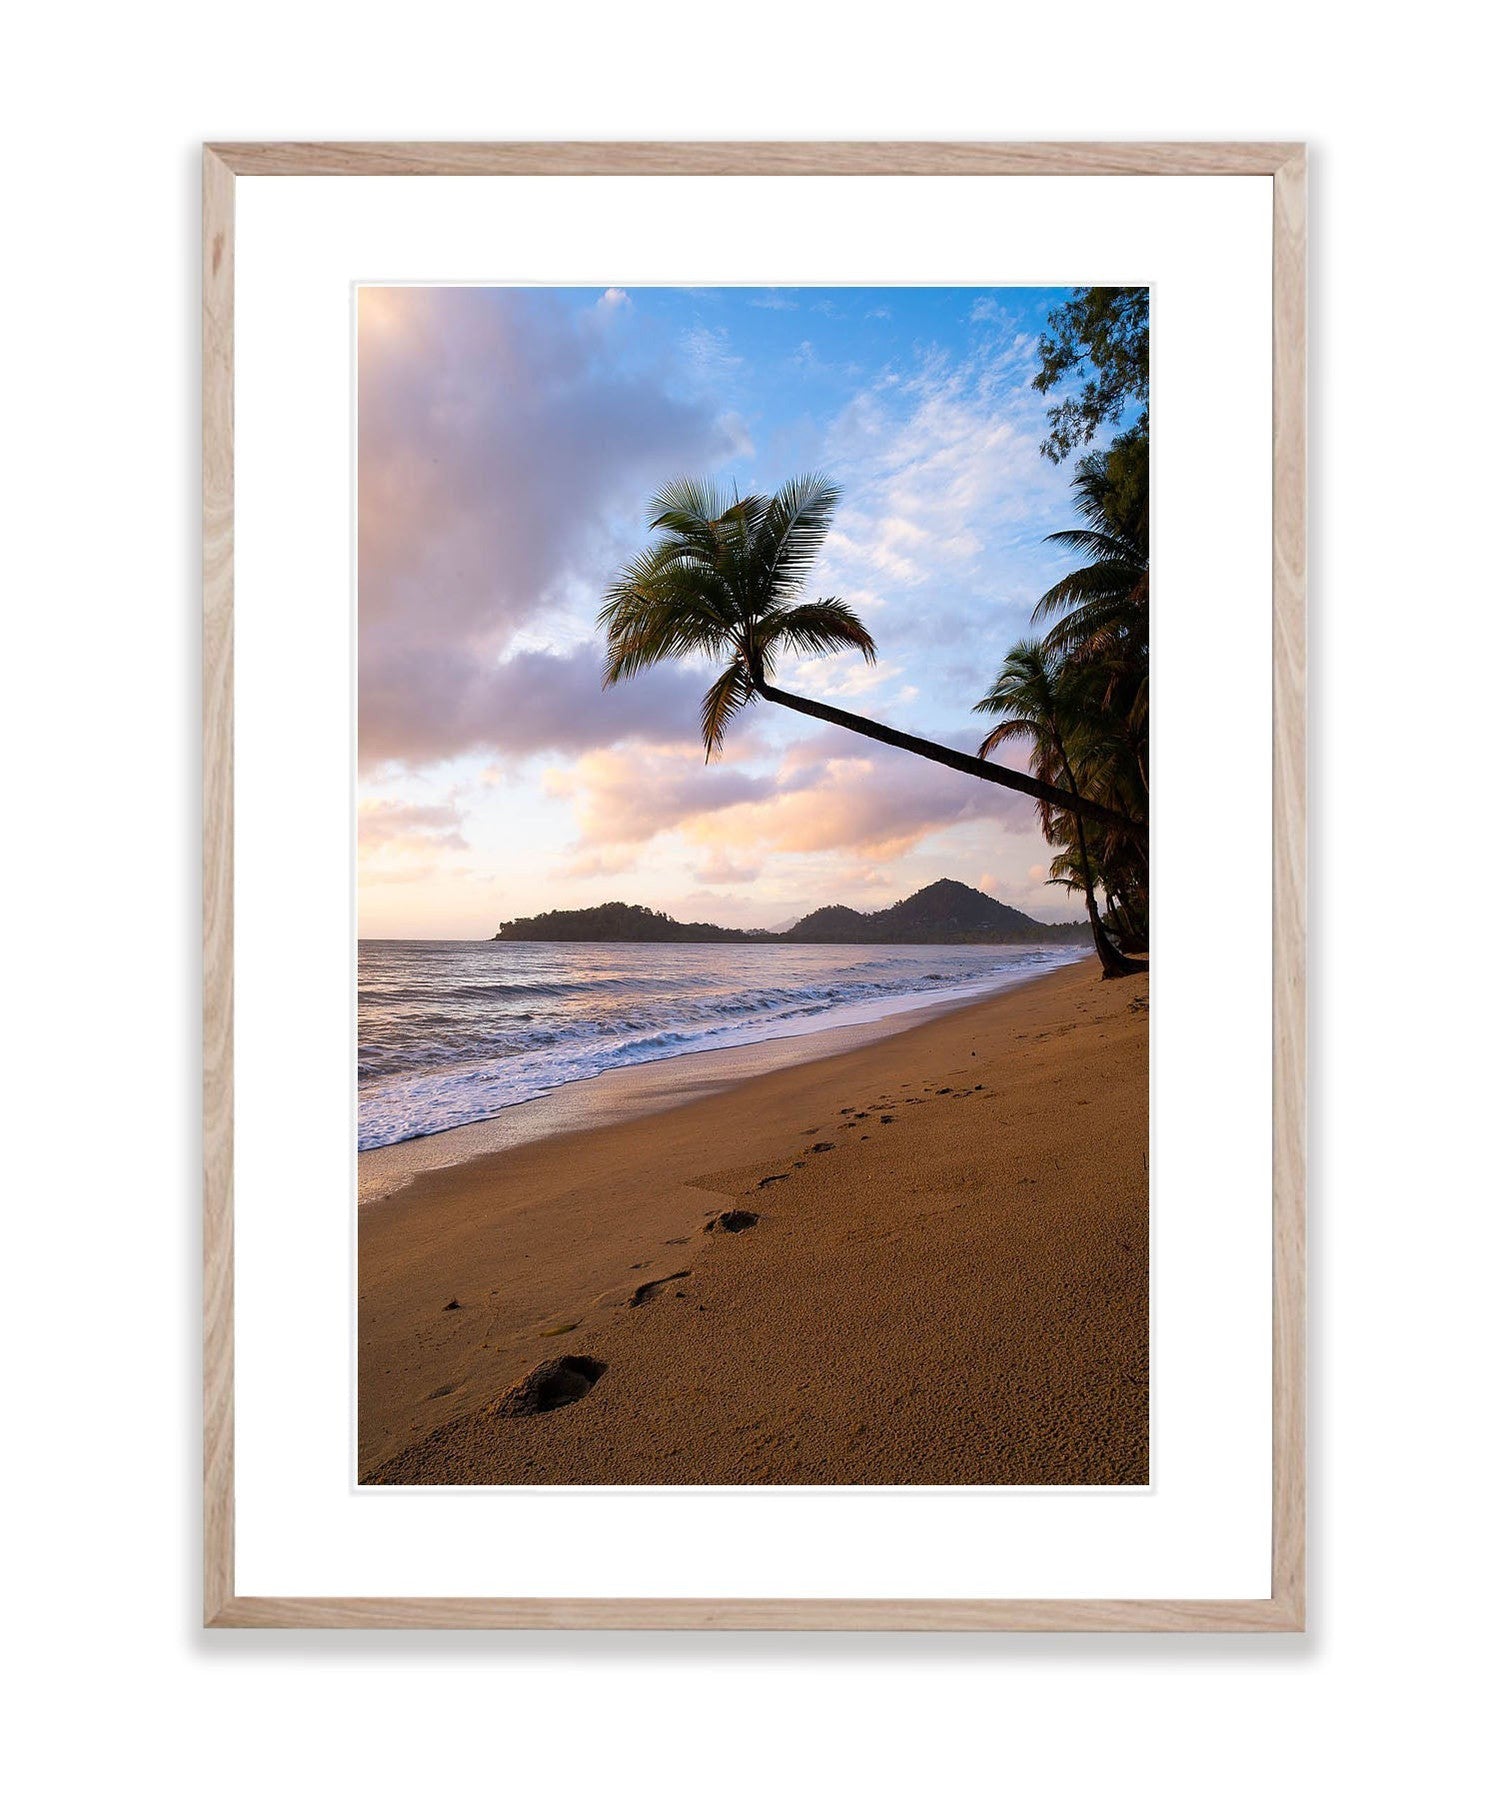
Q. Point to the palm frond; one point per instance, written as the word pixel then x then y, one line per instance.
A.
pixel 1120 510
pixel 792 532
pixel 722 579
pixel 685 503
pixel 1103 546
pixel 728 695
pixel 818 627
pixel 1011 731
pixel 652 613
pixel 1096 581
pixel 1024 695
pixel 689 513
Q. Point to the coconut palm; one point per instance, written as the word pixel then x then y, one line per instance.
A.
pixel 1104 604
pixel 1099 648
pixel 724 580
pixel 1030 696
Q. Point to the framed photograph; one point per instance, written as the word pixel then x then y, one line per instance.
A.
pixel 749 1080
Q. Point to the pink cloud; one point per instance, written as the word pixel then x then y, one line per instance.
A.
pixel 720 871
pixel 497 441
pixel 630 797
pixel 431 703
pixel 395 824
pixel 833 793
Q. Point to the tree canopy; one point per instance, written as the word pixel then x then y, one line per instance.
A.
pixel 1102 333
pixel 724 579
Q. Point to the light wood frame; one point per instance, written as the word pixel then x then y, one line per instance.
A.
pixel 1285 1609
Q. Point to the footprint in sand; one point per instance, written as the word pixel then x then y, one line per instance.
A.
pixel 647 1290
pixel 550 1386
pixel 735 1221
pixel 819 1148
pixel 769 1178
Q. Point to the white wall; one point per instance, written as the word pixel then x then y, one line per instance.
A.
pixel 105 108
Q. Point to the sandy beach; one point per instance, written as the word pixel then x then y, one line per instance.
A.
pixel 939 1273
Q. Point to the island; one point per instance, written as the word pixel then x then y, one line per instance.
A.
pixel 943 912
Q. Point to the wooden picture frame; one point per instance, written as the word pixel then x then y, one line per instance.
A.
pixel 1285 163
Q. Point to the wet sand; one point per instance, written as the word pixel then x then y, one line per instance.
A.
pixel 940 1274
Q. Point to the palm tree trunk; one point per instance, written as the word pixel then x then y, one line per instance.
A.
pixel 1115 962
pixel 937 752
pixel 1131 923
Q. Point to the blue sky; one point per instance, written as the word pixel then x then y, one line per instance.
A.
pixel 510 440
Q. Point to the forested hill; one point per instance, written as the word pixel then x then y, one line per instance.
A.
pixel 616 923
pixel 945 912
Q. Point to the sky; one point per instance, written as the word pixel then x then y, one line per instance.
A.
pixel 509 442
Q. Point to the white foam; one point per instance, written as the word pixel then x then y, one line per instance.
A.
pixel 477 1064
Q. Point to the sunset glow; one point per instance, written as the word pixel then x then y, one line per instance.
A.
pixel 509 440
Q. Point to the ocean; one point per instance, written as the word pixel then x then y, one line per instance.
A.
pixel 453 1033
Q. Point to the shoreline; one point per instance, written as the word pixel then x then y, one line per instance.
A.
pixel 616 1095
pixel 946 1280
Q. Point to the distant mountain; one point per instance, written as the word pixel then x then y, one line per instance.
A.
pixel 831 924
pixel 945 912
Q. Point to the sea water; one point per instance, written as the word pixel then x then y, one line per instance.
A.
pixel 452 1033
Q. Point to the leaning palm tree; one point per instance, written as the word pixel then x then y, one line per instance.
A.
pixel 1029 694
pixel 725 580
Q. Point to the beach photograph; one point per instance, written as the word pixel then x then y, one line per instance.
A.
pixel 753 886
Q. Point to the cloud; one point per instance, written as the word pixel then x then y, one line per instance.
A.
pixel 708 353
pixel 505 452
pixel 719 871
pixel 806 361
pixel 831 792
pixel 601 864
pixel 395 823
pixel 841 679
pixel 945 504
pixel 509 442
pixel 934 488
pixel 774 302
pixel 949 446
pixel 403 841
pixel 433 703
pixel 624 797
pixel 878 807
